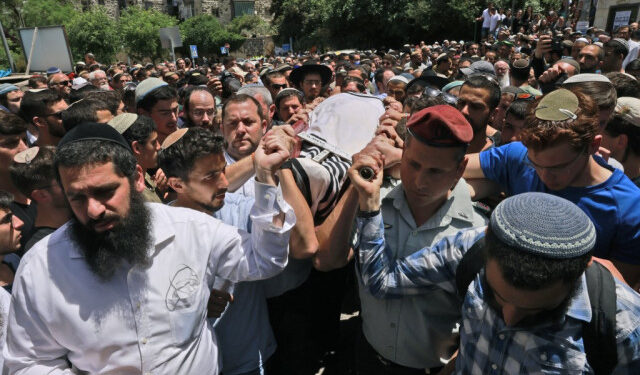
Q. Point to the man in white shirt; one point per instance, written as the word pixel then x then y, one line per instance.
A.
pixel 123 287
pixel 486 19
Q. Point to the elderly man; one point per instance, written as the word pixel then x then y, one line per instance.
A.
pixel 98 78
pixel 140 274
pixel 61 83
pixel 502 72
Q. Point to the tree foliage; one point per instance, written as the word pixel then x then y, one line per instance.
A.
pixel 94 31
pixel 48 12
pixel 250 25
pixel 140 29
pixel 208 34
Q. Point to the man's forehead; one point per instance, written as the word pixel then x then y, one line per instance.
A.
pixel 89 175
pixel 247 107
pixel 166 104
pixel 202 98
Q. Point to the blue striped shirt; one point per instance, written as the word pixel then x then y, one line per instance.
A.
pixel 487 345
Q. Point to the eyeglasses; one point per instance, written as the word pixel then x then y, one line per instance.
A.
pixel 279 87
pixel 434 93
pixel 62 83
pixel 556 168
pixel 57 115
pixel 312 82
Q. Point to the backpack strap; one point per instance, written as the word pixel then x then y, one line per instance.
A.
pixel 470 264
pixel 599 335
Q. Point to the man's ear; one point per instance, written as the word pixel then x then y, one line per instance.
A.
pixel 137 148
pixel 595 144
pixel 272 110
pixel 176 184
pixel 139 179
pixel 39 122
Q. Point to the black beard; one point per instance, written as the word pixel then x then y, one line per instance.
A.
pixel 128 241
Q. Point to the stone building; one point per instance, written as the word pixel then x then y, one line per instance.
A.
pixel 225 10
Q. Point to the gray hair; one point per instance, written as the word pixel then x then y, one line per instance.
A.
pixel 255 89
pixel 92 75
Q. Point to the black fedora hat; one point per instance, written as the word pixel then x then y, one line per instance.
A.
pixel 430 77
pixel 298 73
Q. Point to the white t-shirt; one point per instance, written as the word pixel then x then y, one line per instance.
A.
pixel 494 22
pixel 486 18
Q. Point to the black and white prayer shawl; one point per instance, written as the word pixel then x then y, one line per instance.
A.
pixel 347 121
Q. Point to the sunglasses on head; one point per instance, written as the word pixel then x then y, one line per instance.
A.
pixel 434 93
pixel 525 96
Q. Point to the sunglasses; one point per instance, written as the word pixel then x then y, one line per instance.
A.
pixel 434 93
pixel 62 83
pixel 278 87
pixel 57 115
pixel 523 96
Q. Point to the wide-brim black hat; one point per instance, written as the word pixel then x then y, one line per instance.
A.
pixel 430 77
pixel 298 73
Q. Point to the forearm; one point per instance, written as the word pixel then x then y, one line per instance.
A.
pixel 473 169
pixel 482 188
pixel 434 266
pixel 334 234
pixel 303 243
pixel 239 172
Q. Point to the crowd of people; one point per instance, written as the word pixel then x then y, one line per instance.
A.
pixel 476 203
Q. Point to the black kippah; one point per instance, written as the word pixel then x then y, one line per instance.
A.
pixel 94 131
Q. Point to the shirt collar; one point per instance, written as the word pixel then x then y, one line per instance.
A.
pixel 458 206
pixel 580 307
pixel 160 233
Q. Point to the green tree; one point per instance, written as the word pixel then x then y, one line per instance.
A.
pixel 94 31
pixel 250 25
pixel 48 12
pixel 139 29
pixel 208 34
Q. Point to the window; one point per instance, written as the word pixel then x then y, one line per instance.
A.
pixel 241 8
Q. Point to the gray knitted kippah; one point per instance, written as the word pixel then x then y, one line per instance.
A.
pixel 543 224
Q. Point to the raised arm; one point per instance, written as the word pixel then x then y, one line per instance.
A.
pixel 474 169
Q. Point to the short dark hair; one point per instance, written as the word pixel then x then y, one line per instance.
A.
pixel 272 74
pixel 111 98
pixel 140 130
pixel 518 109
pixel 37 174
pixel 6 199
pixel 96 151
pixel 37 103
pixel 241 98
pixel 85 110
pixel 81 93
pixel 288 93
pixel 161 93
pixel 487 83
pixel 624 84
pixel 11 124
pixel 532 272
pixel 618 48
pixel 603 93
pixel 618 125
pixel 358 81
pixel 34 80
pixel 633 65
pixel 178 159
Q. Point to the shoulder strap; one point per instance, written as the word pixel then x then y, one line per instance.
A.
pixel 469 266
pixel 599 335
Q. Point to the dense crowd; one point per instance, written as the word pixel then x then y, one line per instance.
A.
pixel 476 204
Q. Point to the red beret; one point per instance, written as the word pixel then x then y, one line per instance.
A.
pixel 440 125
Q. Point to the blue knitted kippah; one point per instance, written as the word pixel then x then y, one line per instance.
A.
pixel 543 224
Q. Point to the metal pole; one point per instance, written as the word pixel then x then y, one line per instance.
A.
pixel 173 55
pixel 33 44
pixel 12 65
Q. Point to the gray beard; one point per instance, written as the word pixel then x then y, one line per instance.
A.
pixel 127 243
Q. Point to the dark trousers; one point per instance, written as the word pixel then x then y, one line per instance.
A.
pixel 370 362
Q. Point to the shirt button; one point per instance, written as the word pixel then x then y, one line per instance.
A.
pixel 144 341
pixel 267 196
pixel 543 356
pixel 501 336
pixel 494 366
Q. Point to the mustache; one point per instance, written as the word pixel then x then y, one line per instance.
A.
pixel 92 223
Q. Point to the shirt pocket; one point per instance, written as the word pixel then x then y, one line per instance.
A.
pixel 545 357
pixel 186 305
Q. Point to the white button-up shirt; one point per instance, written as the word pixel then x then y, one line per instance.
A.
pixel 144 319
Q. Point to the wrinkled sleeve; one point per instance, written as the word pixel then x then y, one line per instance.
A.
pixel 627 330
pixel 30 348
pixel 386 277
pixel 263 253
